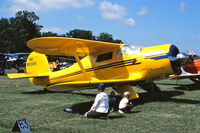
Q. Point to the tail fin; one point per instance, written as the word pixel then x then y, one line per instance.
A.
pixel 37 64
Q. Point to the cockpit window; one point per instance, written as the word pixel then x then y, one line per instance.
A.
pixel 105 56
pixel 130 49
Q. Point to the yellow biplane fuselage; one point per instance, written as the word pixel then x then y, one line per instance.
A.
pixel 111 66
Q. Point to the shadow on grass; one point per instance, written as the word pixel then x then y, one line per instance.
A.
pixel 164 96
pixel 145 97
pixel 115 116
pixel 82 108
pixel 189 87
pixel 177 84
pixel 44 91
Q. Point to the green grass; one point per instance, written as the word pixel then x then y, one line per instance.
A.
pixel 177 111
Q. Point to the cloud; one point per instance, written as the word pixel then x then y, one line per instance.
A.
pixel 52 29
pixel 198 37
pixel 43 5
pixel 182 6
pixel 112 11
pixel 143 11
pixel 115 12
pixel 129 21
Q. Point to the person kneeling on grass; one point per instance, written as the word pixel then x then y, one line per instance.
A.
pixel 125 106
pixel 100 107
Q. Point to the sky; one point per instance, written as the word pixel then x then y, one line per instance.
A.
pixel 135 22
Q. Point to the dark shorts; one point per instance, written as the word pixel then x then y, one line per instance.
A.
pixel 127 109
pixel 94 114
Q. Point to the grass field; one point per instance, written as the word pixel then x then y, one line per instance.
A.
pixel 177 111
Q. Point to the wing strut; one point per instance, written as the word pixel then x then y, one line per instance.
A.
pixel 80 65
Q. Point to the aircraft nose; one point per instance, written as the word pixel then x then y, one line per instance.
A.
pixel 183 57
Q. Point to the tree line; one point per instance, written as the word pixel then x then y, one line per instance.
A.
pixel 17 30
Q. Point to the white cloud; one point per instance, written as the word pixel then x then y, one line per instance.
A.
pixel 52 29
pixel 198 37
pixel 112 11
pixel 143 11
pixel 115 12
pixel 182 6
pixel 129 21
pixel 43 5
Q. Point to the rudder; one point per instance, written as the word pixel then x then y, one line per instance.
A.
pixel 37 64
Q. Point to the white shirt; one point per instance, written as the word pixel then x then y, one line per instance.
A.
pixel 123 103
pixel 101 103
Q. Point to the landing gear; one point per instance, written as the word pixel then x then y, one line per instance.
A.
pixel 152 89
pixel 195 80
pixel 46 90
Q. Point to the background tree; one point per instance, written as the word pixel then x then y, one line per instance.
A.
pixel 7 36
pixel 82 34
pixel 117 41
pixel 106 37
pixel 26 27
pixel 49 34
pixel 16 31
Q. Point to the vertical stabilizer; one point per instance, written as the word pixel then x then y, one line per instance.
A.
pixel 37 64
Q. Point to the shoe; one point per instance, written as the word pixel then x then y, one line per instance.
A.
pixel 111 110
pixel 121 112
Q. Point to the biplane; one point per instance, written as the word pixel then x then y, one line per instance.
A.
pixel 98 62
pixel 190 68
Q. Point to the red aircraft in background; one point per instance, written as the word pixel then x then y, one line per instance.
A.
pixel 190 68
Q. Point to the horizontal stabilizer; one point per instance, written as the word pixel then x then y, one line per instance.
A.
pixel 24 75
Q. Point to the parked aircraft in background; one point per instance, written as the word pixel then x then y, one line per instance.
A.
pixel 18 60
pixel 98 62
pixel 15 60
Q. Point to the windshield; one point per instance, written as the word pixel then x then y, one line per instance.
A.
pixel 196 57
pixel 131 49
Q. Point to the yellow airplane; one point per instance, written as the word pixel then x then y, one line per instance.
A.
pixel 102 62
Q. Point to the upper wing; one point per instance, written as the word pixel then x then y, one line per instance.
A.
pixel 69 46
